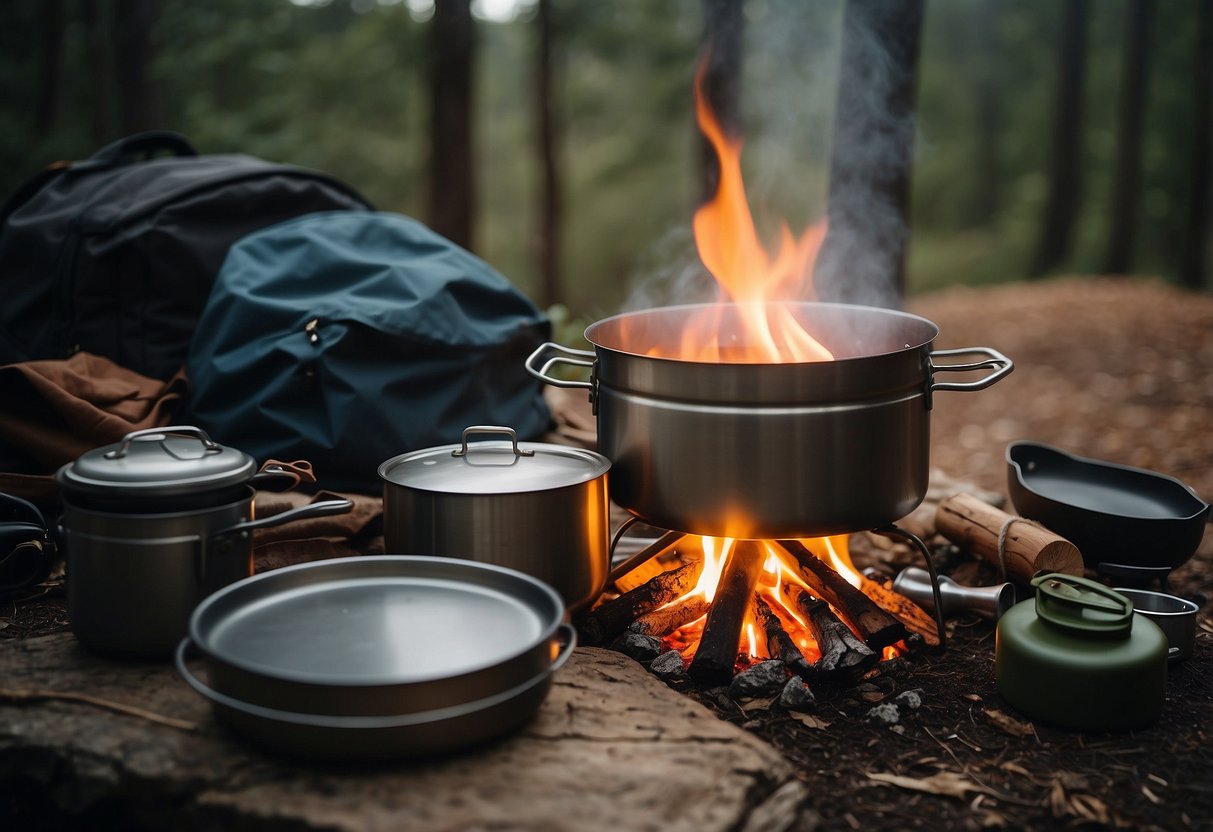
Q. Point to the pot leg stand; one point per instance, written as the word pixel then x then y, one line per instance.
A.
pixel 893 530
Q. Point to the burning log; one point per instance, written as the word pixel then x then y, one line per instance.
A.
pixel 1026 548
pixel 779 643
pixel 904 610
pixel 669 618
pixel 841 651
pixel 717 651
pixel 612 617
pixel 877 627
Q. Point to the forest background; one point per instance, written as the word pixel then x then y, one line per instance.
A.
pixel 584 165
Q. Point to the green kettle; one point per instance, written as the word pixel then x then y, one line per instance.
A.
pixel 1077 657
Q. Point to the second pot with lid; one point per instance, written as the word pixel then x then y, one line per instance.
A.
pixel 539 508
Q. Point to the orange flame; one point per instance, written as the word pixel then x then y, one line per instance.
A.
pixel 748 276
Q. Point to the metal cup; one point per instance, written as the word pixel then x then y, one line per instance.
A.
pixel 1175 616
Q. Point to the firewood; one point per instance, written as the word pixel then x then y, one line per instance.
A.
pixel 842 653
pixel 670 617
pixel 716 654
pixel 875 626
pixel 779 643
pixel 611 618
pixel 904 610
pixel 968 522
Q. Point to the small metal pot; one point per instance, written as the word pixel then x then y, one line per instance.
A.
pixel 1175 616
pixel 150 527
pixel 538 508
pixel 766 449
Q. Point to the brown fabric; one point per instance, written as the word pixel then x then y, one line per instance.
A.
pixel 358 532
pixel 51 412
pixel 54 411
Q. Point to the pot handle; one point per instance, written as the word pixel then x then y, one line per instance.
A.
pixel 996 361
pixel 321 509
pixel 491 429
pixel 564 355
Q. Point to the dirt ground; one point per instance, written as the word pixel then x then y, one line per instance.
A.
pixel 1110 369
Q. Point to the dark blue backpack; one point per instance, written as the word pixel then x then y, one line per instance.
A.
pixel 345 338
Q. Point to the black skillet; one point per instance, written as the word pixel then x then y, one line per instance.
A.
pixel 1128 522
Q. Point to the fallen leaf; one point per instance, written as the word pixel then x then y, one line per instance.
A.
pixel 1150 796
pixel 1015 768
pixel 809 721
pixel 1009 724
pixel 943 782
pixel 972 697
pixel 757 704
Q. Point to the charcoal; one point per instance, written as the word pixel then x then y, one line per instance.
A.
pixel 668 665
pixel 640 647
pixel 763 679
pixel 796 696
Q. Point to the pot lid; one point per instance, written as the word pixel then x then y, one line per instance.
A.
pixel 158 462
pixel 493 467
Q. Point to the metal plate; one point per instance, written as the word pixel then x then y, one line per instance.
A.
pixel 389 620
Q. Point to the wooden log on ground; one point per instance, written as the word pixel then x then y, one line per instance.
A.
pixel 904 610
pixel 716 654
pixel 669 618
pixel 611 618
pixel 875 626
pixel 976 526
pixel 842 653
pixel 779 644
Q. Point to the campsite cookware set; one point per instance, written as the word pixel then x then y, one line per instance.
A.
pixel 456 640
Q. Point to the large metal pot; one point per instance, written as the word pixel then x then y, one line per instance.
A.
pixel 767 450
pixel 538 508
pixel 151 526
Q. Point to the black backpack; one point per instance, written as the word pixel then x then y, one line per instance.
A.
pixel 115 255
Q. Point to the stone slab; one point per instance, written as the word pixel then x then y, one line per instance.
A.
pixel 611 748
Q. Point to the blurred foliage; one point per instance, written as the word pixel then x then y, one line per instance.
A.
pixel 341 86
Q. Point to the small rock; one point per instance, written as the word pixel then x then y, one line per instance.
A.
pixel 885 683
pixel 763 679
pixel 668 665
pixel 886 714
pixel 796 696
pixel 872 696
pixel 911 699
pixel 642 648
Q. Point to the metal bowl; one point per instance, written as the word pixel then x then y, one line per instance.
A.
pixel 378 657
pixel 1174 615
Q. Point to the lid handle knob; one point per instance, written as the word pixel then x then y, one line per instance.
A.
pixel 1083 605
pixel 490 429
pixel 199 433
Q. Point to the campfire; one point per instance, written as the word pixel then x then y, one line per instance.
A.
pixel 725 603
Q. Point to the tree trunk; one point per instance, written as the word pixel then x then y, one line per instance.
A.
pixel 723 26
pixel 99 70
pixel 989 88
pixel 52 65
pixel 864 255
pixel 1192 265
pixel 138 96
pixel 548 235
pixel 452 178
pixel 1134 77
pixel 1065 161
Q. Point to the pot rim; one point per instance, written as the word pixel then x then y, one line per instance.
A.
pixel 595 466
pixel 249 496
pixel 930 330
pixel 331 682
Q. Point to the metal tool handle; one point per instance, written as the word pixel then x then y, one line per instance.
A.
pixel 565 355
pixel 994 361
pixel 494 430
pixel 322 509
pixel 188 430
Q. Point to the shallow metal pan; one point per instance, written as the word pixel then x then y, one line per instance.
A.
pixel 1126 521
pixel 378 656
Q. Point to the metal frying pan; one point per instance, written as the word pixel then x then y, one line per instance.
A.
pixel 1128 522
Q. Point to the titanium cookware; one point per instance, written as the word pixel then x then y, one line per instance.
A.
pixel 766 449
pixel 1127 522
pixel 375 658
pixel 538 508
pixel 150 526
